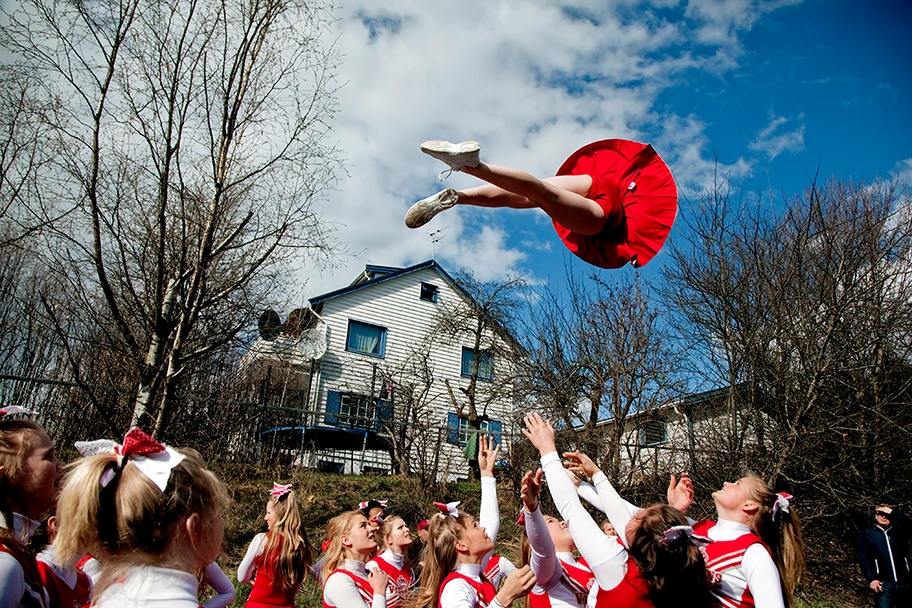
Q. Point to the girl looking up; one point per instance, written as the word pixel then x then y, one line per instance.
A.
pixel 30 475
pixel 346 580
pixel 459 547
pixel 394 538
pixel 151 513
pixel 655 564
pixel 278 560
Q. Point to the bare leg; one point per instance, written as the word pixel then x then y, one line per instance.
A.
pixel 563 197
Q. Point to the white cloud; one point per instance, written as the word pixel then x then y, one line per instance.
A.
pixel 779 136
pixel 903 172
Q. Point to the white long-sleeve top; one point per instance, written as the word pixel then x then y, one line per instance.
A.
pixel 545 562
pixel 224 590
pixel 757 565
pixel 460 594
pixel 248 565
pixel 13 588
pixel 341 591
pixel 606 557
pixel 590 495
pixel 489 513
pixel 149 586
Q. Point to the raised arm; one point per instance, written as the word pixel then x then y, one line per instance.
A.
pixel 615 507
pixel 606 558
pixel 543 560
pixel 489 514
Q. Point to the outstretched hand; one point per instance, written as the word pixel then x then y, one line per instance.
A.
pixel 680 494
pixel 540 433
pixel 577 462
pixel 531 489
pixel 487 455
pixel 517 584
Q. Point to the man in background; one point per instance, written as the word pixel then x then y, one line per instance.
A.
pixel 883 552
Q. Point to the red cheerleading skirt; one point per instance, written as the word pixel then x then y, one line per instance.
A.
pixel 635 188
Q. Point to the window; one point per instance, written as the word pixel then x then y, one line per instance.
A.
pixel 485 363
pixel 328 466
pixel 458 429
pixel 366 339
pixel 356 411
pixel 652 433
pixel 429 292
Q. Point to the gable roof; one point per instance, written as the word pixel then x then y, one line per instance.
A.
pixel 374 275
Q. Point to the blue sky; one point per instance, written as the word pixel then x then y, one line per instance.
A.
pixel 773 90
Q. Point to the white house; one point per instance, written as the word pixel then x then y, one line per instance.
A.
pixel 382 392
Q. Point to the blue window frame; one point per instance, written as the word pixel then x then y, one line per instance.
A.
pixel 458 429
pixel 429 292
pixel 485 363
pixel 366 339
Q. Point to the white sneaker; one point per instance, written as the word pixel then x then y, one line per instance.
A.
pixel 456 156
pixel 424 210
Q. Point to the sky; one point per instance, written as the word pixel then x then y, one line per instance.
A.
pixel 766 93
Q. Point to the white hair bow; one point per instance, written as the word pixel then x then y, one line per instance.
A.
pixel 155 460
pixel 783 502
pixel 450 508
pixel 12 410
pixel 678 533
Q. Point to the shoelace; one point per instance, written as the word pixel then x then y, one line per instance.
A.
pixel 443 175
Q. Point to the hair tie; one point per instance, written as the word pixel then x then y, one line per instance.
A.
pixel 450 508
pixel 278 490
pixel 325 545
pixel 12 410
pixel 154 459
pixel 521 520
pixel 783 502
pixel 676 534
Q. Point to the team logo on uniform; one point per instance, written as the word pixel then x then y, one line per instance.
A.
pixel 402 581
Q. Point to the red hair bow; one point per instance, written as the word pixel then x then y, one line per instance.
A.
pixel 450 508
pixel 278 490
pixel 137 443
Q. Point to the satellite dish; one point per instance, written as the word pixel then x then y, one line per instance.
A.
pixel 270 325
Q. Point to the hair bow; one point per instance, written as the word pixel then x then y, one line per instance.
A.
pixel 155 460
pixel 783 500
pixel 278 490
pixel 450 508
pixel 676 534
pixel 521 520
pixel 423 524
pixel 372 503
pixel 325 545
pixel 12 410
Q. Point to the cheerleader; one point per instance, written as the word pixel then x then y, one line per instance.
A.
pixel 151 512
pixel 346 580
pixel 757 554
pixel 657 561
pixel 30 476
pixel 278 560
pixel 394 538
pixel 374 511
pixel 561 581
pixel 67 585
pixel 612 202
pixel 459 548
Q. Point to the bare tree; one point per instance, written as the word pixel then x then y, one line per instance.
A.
pixel 192 141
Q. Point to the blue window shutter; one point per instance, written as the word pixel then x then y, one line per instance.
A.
pixel 452 428
pixel 495 428
pixel 384 413
pixel 333 401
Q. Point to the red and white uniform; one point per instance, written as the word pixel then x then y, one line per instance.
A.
pixel 740 570
pixel 91 566
pixel 465 588
pixel 17 589
pixel 632 592
pixel 266 592
pixel 348 587
pixel 561 581
pixel 401 576
pixel 67 587
pixel 497 569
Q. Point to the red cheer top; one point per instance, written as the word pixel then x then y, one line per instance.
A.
pixel 727 583
pixel 637 192
pixel 267 592
pixel 60 593
pixel 484 590
pixel 631 592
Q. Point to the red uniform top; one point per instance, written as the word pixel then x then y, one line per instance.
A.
pixel 363 585
pixel 637 192
pixel 727 583
pixel 35 594
pixel 60 593
pixel 484 590
pixel 400 581
pixel 575 583
pixel 267 592
pixel 631 592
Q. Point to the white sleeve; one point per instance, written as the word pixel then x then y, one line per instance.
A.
pixel 340 590
pixel 460 594
pixel 762 577
pixel 248 565
pixel 543 561
pixel 92 568
pixel 12 581
pixel 489 514
pixel 615 507
pixel 588 493
pixel 506 566
pixel 225 592
pixel 606 557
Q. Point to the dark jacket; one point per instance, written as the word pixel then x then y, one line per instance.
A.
pixel 875 546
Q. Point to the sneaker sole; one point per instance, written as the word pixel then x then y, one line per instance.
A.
pixel 449 149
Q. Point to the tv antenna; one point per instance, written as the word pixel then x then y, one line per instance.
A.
pixel 435 237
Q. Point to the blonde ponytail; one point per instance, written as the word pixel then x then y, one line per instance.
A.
pixel 337 527
pixel 439 557
pixel 288 547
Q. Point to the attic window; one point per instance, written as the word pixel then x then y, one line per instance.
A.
pixel 653 433
pixel 429 292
